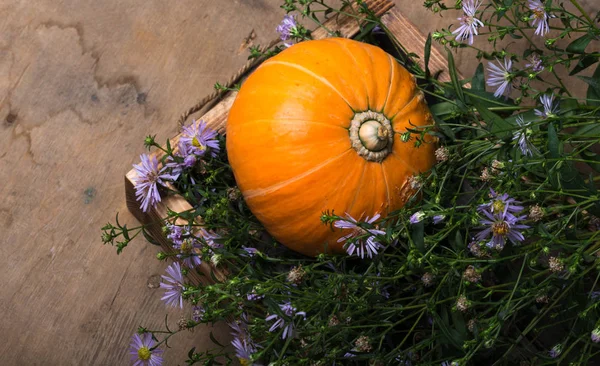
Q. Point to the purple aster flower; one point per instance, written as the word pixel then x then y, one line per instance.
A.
pixel 522 136
pixel 253 296
pixel 499 203
pixel 500 77
pixel 438 219
pixel 199 138
pixel 242 343
pixel 197 313
pixel 249 252
pixel 417 217
pixel 148 175
pixel 287 324
pixel 188 252
pixel 368 247
pixel 188 159
pixel 535 63
pixel 468 22
pixel 349 355
pixel 539 18
pixel 550 109
pixel 501 226
pixel 286 28
pixel 174 287
pixel 176 233
pixel 142 351
pixel 595 335
pixel 555 351
pixel 209 238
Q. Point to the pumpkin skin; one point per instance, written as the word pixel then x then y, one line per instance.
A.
pixel 290 147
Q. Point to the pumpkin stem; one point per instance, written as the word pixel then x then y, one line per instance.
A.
pixel 371 135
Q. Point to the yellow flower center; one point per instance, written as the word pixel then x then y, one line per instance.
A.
pixel 186 246
pixel 500 228
pixel 244 362
pixel 539 13
pixel 144 353
pixel 498 206
pixel 196 143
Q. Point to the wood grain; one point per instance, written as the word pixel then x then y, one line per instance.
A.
pixel 410 37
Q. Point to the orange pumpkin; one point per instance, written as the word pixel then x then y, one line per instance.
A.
pixel 318 127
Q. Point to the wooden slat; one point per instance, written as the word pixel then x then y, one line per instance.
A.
pixel 216 118
pixel 413 40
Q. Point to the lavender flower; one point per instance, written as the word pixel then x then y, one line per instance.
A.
pixel 438 219
pixel 199 138
pixel 187 252
pixel 500 77
pixel 368 247
pixel 499 203
pixel 174 287
pixel 197 313
pixel 253 296
pixel 550 109
pixel 417 217
pixel 188 159
pixel 176 233
pixel 468 22
pixel 242 343
pixel 148 175
pixel 287 324
pixel 522 136
pixel 142 352
pixel 595 335
pixel 555 351
pixel 501 226
pixel 286 28
pixel 535 63
pixel 249 252
pixel 539 18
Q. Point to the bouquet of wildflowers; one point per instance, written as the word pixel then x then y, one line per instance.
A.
pixel 495 260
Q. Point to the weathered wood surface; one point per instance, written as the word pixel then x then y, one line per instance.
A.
pixel 216 118
pixel 81 84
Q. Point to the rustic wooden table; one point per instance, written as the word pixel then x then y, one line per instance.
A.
pixel 81 85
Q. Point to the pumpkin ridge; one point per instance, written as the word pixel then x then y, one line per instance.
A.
pixel 392 74
pixel 387 187
pixel 412 99
pixel 311 73
pixel 262 191
pixel 290 120
pixel 357 67
pixel 401 159
pixel 362 176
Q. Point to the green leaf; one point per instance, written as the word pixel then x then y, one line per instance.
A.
pixel 579 45
pixel 593 91
pixel 592 130
pixel 478 80
pixel 214 340
pixel 584 62
pixel 454 77
pixel 427 54
pixel 418 236
pixel 553 142
pixel 496 125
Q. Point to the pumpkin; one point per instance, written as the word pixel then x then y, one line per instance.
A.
pixel 318 127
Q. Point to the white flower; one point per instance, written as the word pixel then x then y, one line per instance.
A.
pixel 522 137
pixel 550 110
pixel 500 77
pixel 468 22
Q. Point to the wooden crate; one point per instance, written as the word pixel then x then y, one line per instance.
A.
pixel 406 33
